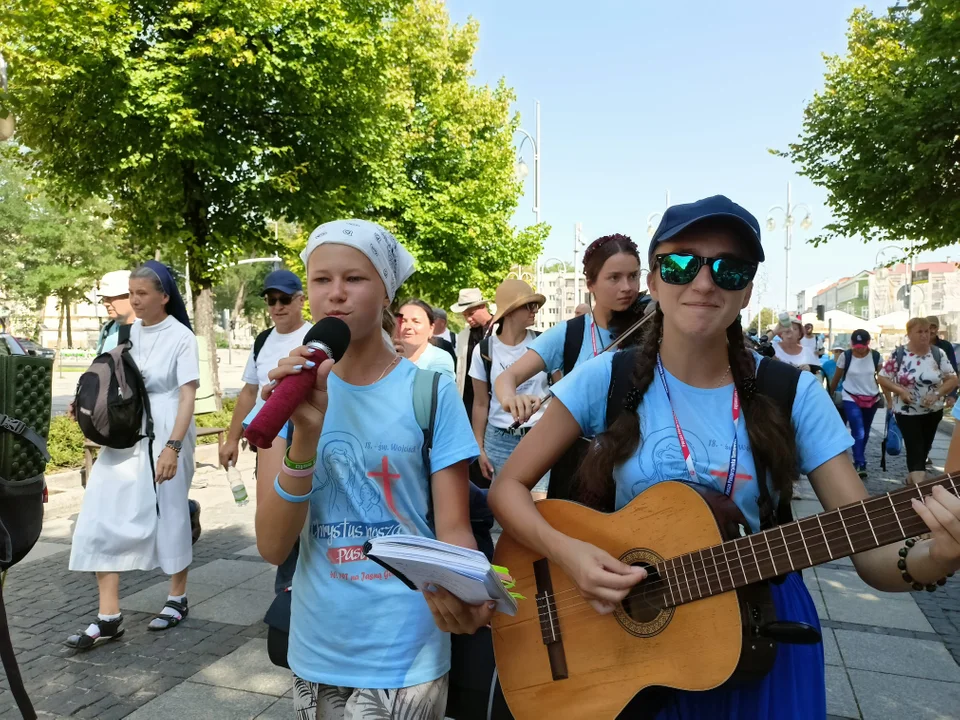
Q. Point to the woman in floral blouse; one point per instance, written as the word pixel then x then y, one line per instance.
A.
pixel 919 376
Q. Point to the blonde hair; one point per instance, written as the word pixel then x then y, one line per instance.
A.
pixel 914 322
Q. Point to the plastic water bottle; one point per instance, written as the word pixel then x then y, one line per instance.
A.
pixel 236 485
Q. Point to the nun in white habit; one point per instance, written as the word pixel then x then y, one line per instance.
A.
pixel 134 517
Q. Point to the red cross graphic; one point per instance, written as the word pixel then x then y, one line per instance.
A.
pixel 385 476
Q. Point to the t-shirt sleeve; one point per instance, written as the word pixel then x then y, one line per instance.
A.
pixel 250 371
pixel 453 439
pixel 477 369
pixel 821 434
pixel 442 363
pixel 549 346
pixel 188 360
pixel 841 361
pixel 584 393
pixel 888 368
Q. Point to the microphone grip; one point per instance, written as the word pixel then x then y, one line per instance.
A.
pixel 546 397
pixel 284 399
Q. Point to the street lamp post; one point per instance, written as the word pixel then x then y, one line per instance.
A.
pixel 523 171
pixel 578 245
pixel 788 215
pixel 910 268
pixel 655 217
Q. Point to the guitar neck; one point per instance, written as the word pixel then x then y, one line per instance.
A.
pixel 851 529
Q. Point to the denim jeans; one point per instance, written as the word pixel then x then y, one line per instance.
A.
pixel 498 446
pixel 860 420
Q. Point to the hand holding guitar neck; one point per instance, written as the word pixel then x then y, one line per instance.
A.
pixel 647 314
pixel 329 338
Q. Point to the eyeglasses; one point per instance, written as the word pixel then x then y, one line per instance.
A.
pixel 282 299
pixel 727 273
pixel 532 306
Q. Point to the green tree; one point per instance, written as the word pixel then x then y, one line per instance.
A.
pixel 203 119
pixel 46 248
pixel 767 315
pixel 881 136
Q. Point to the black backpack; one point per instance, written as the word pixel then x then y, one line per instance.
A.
pixel 259 341
pixel 25 393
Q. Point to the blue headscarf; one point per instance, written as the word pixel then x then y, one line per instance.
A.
pixel 175 304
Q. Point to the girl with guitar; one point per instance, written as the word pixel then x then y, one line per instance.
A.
pixel 695 414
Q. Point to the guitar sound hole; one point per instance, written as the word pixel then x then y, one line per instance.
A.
pixel 635 604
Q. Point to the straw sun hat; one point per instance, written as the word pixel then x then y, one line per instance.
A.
pixel 513 294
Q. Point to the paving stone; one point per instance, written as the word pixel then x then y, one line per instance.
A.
pixel 870 609
pixel 882 696
pixel 189 701
pixel 151 599
pixel 250 551
pixel 831 652
pixel 247 668
pixel 263 582
pixel 840 698
pixel 226 573
pixel 805 508
pixel 235 606
pixel 43 550
pixel 912 658
pixel 282 709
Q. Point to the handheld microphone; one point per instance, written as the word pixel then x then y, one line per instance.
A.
pixel 329 338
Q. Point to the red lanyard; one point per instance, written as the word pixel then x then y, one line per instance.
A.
pixel 593 335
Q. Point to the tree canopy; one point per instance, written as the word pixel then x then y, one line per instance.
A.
pixel 883 135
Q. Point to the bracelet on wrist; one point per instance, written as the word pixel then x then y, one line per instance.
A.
pixel 907 578
pixel 290 497
pixel 298 469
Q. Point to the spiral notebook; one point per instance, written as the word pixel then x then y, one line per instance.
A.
pixel 463 572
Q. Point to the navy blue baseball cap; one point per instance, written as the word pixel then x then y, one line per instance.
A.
pixel 282 280
pixel 678 218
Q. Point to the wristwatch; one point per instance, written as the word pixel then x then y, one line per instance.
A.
pixel 175 445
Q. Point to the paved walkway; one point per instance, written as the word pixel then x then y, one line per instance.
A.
pixel 889 656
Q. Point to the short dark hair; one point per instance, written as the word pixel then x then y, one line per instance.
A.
pixel 431 318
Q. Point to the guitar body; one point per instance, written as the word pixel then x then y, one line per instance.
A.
pixel 559 658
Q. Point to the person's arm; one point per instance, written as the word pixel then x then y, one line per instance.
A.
pixel 481 411
pixel 836 484
pixel 602 579
pixel 522 407
pixel 230 450
pixel 952 464
pixel 166 465
pixel 894 389
pixel 278 521
pixel 838 374
pixel 948 386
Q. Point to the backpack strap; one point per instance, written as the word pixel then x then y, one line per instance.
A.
pixel 847 359
pixel 19 427
pixel 898 356
pixel 877 359
pixel 937 355
pixel 260 341
pixel 486 357
pixel 123 334
pixel 426 384
pixel 572 342
pixel 621 381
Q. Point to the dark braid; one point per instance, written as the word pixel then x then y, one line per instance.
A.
pixel 622 438
pixel 772 437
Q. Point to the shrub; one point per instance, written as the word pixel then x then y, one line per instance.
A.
pixel 65 444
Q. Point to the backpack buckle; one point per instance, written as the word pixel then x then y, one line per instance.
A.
pixel 12 425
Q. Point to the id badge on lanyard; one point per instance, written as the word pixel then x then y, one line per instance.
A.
pixel 685 448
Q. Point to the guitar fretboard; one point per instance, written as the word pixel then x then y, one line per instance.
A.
pixel 870 523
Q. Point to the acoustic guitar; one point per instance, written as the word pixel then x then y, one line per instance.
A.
pixel 703 615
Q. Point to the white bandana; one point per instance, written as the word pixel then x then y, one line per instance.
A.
pixel 389 257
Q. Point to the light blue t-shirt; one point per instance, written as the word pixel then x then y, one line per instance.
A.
pixel 549 346
pixel 352 624
pixel 433 358
pixel 109 335
pixel 707 422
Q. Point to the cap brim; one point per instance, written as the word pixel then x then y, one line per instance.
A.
pixel 458 308
pixel 288 291
pixel 748 233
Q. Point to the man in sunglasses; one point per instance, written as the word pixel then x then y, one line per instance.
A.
pixel 283 293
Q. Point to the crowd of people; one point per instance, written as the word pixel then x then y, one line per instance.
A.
pixel 355 463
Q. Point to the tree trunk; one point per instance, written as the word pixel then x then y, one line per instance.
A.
pixel 204 319
pixel 60 335
pixel 66 305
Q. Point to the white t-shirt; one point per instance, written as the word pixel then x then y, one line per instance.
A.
pixel 277 346
pixel 860 378
pixel 804 357
pixel 503 356
pixel 812 344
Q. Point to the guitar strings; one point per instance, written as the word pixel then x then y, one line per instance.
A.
pixel 683 573
pixel 656 586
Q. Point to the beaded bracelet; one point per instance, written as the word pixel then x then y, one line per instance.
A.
pixel 907 578
pixel 298 469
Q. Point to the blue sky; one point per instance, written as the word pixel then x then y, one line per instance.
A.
pixel 640 97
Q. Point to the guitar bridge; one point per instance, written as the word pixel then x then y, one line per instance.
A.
pixel 549 621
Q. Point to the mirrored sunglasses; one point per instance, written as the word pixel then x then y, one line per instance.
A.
pixel 727 273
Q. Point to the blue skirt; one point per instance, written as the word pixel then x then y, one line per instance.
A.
pixel 795 688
